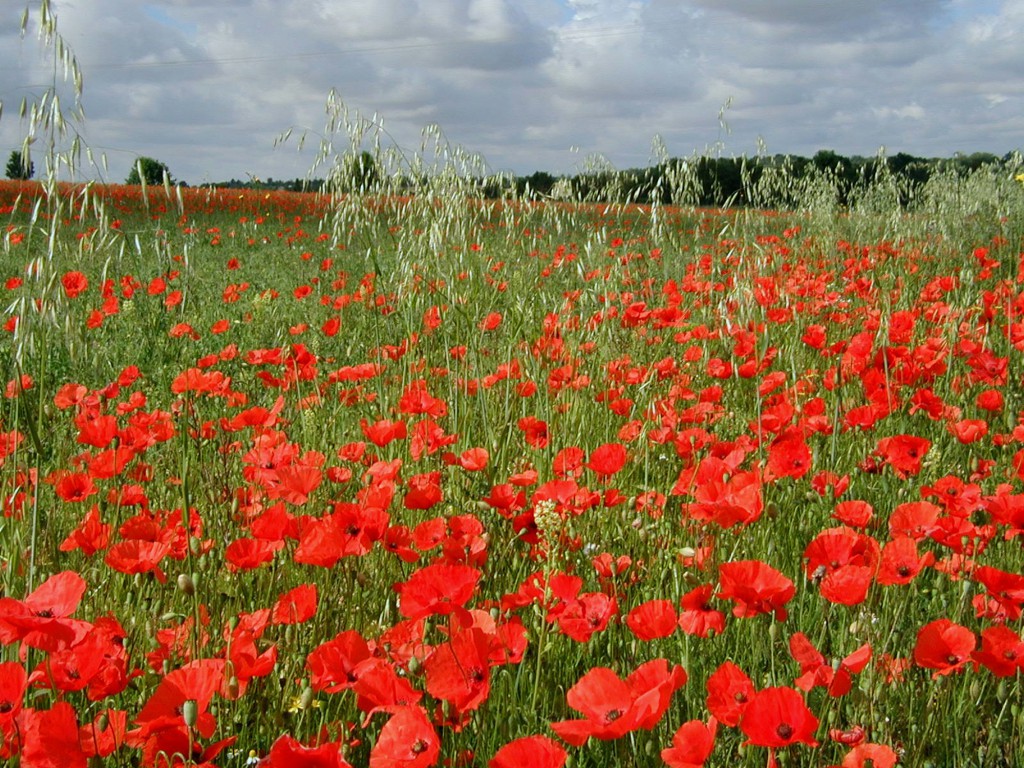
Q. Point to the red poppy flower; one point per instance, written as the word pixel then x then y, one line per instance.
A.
pixel 138 556
pixel 407 740
pixel 437 589
pixel 379 688
pixel 608 459
pixel 613 707
pixel 416 399
pixel 295 606
pixel 653 619
pixel 42 620
pixel 729 692
pixel 1002 651
pixel 532 751
pixel 473 459
pixel 944 646
pixel 75 284
pixel 534 431
pixel 698 617
pixel 458 670
pixel 424 491
pixel 49 738
pixel 383 431
pixel 246 554
pixel 901 561
pixel 916 519
pixel 855 513
pixel 778 717
pixel 870 756
pixel 162 724
pixel 75 486
pixel 13 683
pixel 490 322
pixel 1004 588
pixel 105 734
pixel 755 587
pixel 903 453
pixel 91 535
pixel 288 752
pixel 815 670
pixel 737 499
pixel 844 561
pixel 788 456
pixel 333 664
pixel 692 745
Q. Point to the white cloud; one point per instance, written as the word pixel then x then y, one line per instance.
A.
pixel 206 86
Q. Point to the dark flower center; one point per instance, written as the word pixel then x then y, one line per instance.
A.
pixel 785 731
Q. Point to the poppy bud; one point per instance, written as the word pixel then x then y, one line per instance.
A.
pixel 306 699
pixel 186 585
pixel 1001 691
pixel 233 687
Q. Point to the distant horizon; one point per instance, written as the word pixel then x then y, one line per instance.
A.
pixel 530 85
pixel 254 180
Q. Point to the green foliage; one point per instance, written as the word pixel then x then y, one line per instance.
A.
pixel 150 171
pixel 358 172
pixel 20 166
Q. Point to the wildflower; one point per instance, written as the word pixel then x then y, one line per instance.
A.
pixel 692 744
pixel 407 740
pixel 943 646
pixel 613 707
pixel 75 284
pixel 755 587
pixel 652 619
pixel 534 751
pixel 729 692
pixel 778 717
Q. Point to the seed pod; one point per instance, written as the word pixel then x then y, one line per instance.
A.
pixel 186 585
pixel 190 711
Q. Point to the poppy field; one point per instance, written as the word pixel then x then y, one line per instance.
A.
pixel 405 481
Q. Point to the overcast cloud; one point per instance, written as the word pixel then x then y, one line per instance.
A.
pixel 206 86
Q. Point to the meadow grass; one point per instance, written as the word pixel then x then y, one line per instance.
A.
pixel 242 352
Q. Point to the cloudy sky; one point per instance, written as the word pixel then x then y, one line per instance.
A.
pixel 207 85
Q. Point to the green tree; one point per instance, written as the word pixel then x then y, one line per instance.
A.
pixel 148 170
pixel 357 173
pixel 20 166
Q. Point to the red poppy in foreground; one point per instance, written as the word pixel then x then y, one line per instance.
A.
pixel 437 589
pixel 944 646
pixel 778 717
pixel 653 619
pixel 407 740
pixel 289 752
pixel 755 587
pixel 729 693
pixel 532 751
pixel 613 707
pixel 691 745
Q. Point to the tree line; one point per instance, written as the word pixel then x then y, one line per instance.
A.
pixel 706 181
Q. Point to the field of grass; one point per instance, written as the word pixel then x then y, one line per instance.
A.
pixel 433 480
